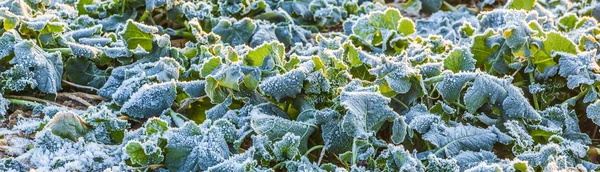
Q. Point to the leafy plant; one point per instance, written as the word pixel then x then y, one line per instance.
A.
pixel 299 85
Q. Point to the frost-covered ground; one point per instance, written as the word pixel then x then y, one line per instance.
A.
pixel 299 85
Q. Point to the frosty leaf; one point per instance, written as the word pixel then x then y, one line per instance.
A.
pixel 150 100
pixel 219 110
pixel 554 42
pixel 265 56
pixel 230 77
pixel 541 157
pixel 47 68
pixel 143 153
pixel 440 164
pixel 303 164
pixel 571 64
pixel 399 130
pixel 452 140
pixel 275 128
pixel 521 4
pixel 137 34
pixel 460 60
pixel 396 157
pixel 68 125
pixel 523 140
pixel 419 119
pixel 3 104
pixel 193 89
pixel 235 32
pixel 126 89
pixel 17 78
pixel 238 162
pixel 593 112
pixel 452 85
pixel 189 148
pixel 517 106
pixel 366 110
pixel 287 147
pixel 396 74
pixel 316 83
pixel 469 159
pixel 282 86
pixel 84 50
pixel 484 90
pixel 7 42
pixel 264 33
pixel 84 72
pixel 335 139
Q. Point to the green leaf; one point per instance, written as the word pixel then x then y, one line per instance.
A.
pixel 10 20
pixel 480 51
pixel 406 27
pixel 554 42
pixel 266 56
pixel 209 66
pixel 235 32
pixel 143 153
pixel 521 4
pixel 370 26
pixel 460 59
pixel 68 125
pixel 568 22
pixel 81 6
pixel 83 72
pixel 156 126
pixel 214 91
pixel 136 34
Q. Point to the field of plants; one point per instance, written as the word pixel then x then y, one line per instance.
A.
pixel 299 85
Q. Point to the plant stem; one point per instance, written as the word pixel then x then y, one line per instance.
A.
pixel 354 150
pixel 184 34
pixel 402 103
pixel 80 86
pixel 281 68
pixel 63 51
pixel 321 156
pixel 449 6
pixel 435 79
pixel 123 6
pixel 144 16
pixel 312 149
pixel 32 99
pixel 457 104
pixel 22 102
pixel 535 99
